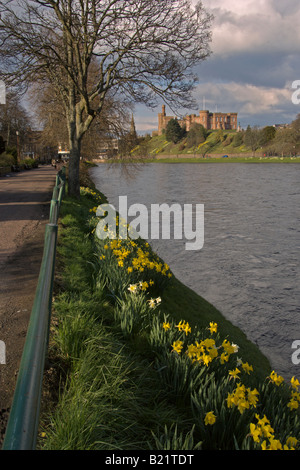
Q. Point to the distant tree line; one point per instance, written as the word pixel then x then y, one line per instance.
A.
pixel 14 119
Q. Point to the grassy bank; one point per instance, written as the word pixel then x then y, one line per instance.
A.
pixel 195 159
pixel 139 361
pixel 213 149
pixel 179 159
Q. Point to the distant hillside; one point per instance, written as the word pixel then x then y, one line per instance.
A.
pixel 284 142
pixel 217 143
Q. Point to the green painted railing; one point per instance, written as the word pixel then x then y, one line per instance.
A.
pixel 22 427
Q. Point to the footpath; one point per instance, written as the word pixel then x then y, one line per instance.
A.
pixel 24 211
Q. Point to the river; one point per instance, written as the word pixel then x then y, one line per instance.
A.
pixel 248 267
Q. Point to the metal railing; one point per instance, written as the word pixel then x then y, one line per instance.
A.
pixel 22 427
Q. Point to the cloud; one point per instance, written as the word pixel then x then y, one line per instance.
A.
pixel 255 25
pixel 255 58
pixel 252 103
pixel 250 99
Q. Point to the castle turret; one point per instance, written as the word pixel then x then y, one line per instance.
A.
pixel 204 119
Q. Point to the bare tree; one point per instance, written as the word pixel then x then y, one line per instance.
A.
pixel 13 118
pixel 51 117
pixel 143 49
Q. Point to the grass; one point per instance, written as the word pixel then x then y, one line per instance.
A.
pixel 158 147
pixel 118 380
pixel 226 160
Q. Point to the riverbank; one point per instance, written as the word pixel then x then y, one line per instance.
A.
pixel 160 158
pixel 142 361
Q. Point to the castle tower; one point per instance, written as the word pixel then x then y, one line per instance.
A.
pixel 161 120
pixel 204 119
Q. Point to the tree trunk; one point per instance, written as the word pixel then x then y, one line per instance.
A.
pixel 74 162
pixel 73 175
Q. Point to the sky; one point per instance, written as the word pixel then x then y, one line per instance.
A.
pixel 255 60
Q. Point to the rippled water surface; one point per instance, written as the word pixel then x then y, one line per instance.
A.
pixel 249 265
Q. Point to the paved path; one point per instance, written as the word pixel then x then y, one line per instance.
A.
pixel 24 212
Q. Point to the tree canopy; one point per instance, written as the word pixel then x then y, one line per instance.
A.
pixel 88 50
pixel 174 131
pixel 197 135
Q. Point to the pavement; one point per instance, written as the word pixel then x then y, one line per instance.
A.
pixel 24 211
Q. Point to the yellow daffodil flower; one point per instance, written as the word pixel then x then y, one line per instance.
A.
pixel 177 346
pixel 213 327
pixel 234 373
pixel 210 418
pixel 276 379
pixel 247 368
pixel 295 383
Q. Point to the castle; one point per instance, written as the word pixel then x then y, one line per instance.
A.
pixel 208 120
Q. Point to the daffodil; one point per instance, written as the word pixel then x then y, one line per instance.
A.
pixel 276 379
pixel 184 326
pixel 133 288
pixel 213 327
pixel 166 326
pixel 275 444
pixel 177 346
pixel 144 285
pixel 291 442
pixel 210 418
pixel 207 359
pixel 247 368
pixel 255 432
pixel 234 373
pixel 252 396
pixel 295 383
pixel 151 303
pixel 224 358
pixel 228 347
pixel 293 404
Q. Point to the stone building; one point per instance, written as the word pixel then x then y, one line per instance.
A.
pixel 209 120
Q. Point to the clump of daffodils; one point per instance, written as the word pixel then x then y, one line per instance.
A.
pixel 85 191
pixel 242 398
pixel 206 350
pixel 143 286
pixel 136 258
pixel 263 434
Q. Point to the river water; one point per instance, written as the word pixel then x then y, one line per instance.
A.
pixel 248 267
